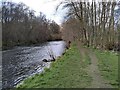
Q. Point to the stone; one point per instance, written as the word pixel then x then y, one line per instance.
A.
pixel 45 60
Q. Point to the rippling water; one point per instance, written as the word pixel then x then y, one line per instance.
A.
pixel 21 62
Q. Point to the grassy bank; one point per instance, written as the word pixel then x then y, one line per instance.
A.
pixel 108 65
pixel 69 71
pixel 66 72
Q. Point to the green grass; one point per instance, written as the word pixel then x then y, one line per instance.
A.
pixel 108 65
pixel 66 72
pixel 69 71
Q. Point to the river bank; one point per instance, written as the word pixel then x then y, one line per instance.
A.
pixel 26 44
pixel 71 71
pixel 21 62
pixel 66 72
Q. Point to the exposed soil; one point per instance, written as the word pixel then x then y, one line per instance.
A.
pixel 97 80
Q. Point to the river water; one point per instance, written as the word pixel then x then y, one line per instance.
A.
pixel 21 62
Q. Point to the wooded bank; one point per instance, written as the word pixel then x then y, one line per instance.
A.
pixel 20 26
pixel 95 24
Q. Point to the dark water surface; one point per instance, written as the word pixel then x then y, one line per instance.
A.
pixel 21 62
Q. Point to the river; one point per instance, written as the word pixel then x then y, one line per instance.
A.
pixel 22 62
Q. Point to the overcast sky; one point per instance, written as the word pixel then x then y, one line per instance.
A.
pixel 48 7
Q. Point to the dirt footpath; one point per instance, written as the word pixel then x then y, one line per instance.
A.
pixel 97 80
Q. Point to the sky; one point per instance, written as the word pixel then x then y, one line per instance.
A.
pixel 48 7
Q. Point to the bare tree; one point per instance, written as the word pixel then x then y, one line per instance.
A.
pixel 96 23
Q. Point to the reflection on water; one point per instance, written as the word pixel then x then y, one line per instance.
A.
pixel 22 62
